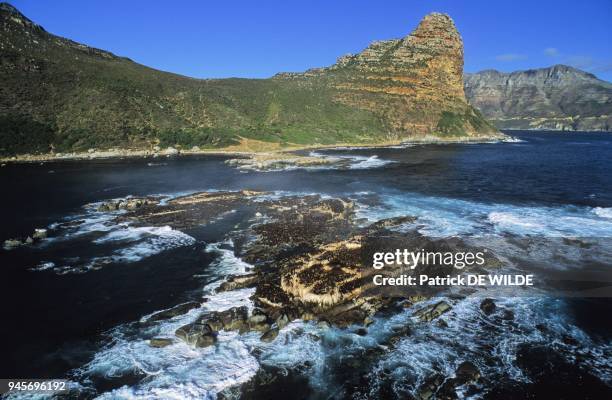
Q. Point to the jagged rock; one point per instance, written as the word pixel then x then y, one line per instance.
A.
pixel 433 311
pixel 198 334
pixel 442 324
pixel 282 321
pixel 259 327
pixel 361 331
pixel 10 244
pixel 238 282
pixel 160 342
pixel 398 334
pixel 174 311
pixel 269 335
pixel 488 306
pixel 39 234
pixel 123 204
pixel 29 240
pixel 508 315
pixel 234 318
pixel 393 222
pixel 429 388
pixel 467 372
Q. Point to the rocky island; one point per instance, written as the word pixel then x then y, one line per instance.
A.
pixel 311 261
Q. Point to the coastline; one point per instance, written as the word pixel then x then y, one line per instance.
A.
pixel 248 148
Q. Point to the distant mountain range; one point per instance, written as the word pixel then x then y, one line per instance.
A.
pixel 555 98
pixel 61 95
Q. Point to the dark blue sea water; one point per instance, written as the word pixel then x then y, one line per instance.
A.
pixel 61 319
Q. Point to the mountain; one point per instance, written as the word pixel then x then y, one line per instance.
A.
pixel 555 98
pixel 60 95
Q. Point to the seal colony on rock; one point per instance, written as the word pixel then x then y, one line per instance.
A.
pixel 311 260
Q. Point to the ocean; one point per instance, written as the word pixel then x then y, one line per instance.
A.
pixel 72 302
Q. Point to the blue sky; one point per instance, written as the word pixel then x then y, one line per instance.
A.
pixel 257 38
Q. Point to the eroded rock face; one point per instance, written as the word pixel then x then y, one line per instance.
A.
pixel 415 82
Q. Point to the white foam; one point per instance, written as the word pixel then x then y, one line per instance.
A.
pixel 513 139
pixel 603 212
pixel 351 161
pixel 149 241
pixel 180 371
pixel 469 335
pixel 42 266
pixel 441 217
pixel 368 162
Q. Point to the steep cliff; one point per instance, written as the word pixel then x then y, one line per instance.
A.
pixel 555 98
pixel 414 83
pixel 60 95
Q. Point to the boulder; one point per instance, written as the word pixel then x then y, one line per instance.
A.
pixel 269 335
pixel 282 321
pixel 432 311
pixel 10 244
pixel 39 234
pixel 197 334
pixel 361 331
pixel 234 319
pixel 160 342
pixel 488 306
pixel 467 372
pixel 508 315
pixel 429 388
pixel 238 282
pixel 29 240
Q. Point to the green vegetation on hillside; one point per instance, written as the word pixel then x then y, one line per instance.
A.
pixel 63 96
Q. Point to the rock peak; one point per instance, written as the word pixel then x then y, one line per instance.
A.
pixel 437 24
pixel 8 7
pixel 11 15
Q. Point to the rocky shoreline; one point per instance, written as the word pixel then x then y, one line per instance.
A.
pixel 311 261
pixel 282 155
pixel 299 270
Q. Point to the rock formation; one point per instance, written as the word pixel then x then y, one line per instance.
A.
pixel 416 82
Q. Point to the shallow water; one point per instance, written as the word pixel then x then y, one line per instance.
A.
pixel 72 302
